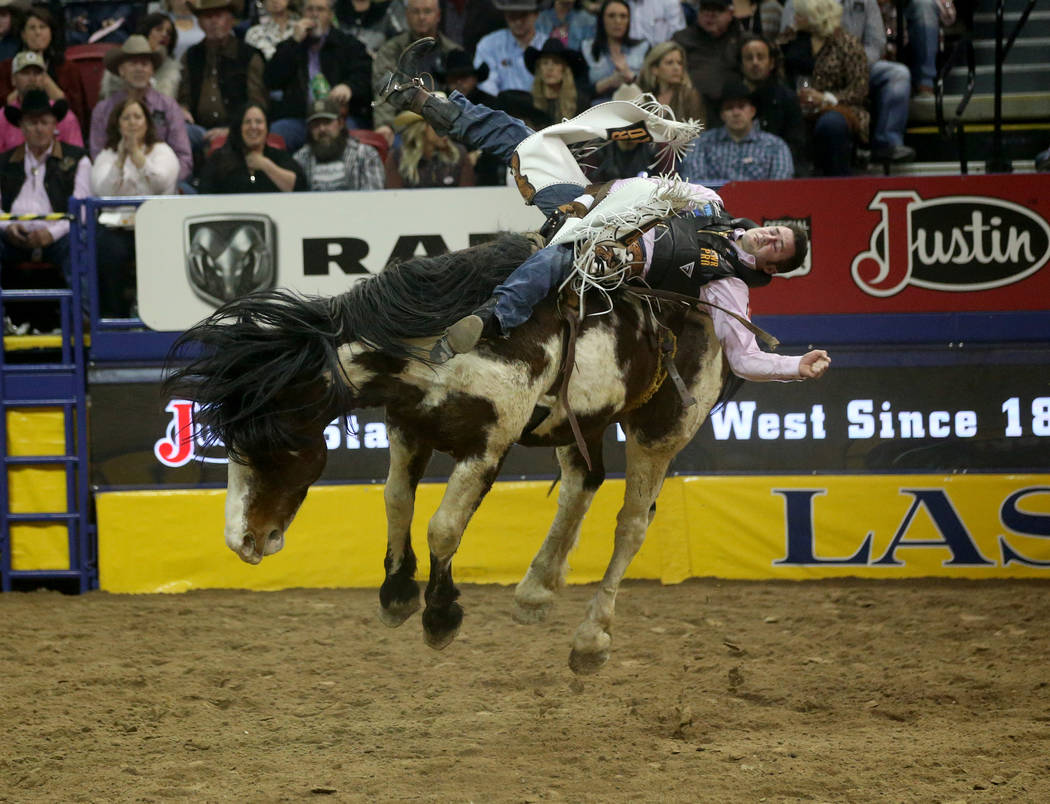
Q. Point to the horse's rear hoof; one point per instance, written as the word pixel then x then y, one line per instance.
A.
pixel 397 612
pixel 440 626
pixel 529 614
pixel 585 664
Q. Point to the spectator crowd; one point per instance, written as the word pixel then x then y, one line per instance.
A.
pixel 207 96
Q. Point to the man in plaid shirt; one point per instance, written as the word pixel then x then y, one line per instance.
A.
pixel 334 160
pixel 739 150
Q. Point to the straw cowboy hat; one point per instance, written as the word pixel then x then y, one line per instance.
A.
pixel 135 45
pixel 35 102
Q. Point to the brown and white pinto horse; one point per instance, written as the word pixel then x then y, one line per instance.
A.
pixel 272 370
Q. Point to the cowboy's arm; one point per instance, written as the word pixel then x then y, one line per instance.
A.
pixel 745 358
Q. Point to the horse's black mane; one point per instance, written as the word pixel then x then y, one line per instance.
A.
pixel 422 296
pixel 260 357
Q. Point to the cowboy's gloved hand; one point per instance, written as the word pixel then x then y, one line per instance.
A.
pixel 611 259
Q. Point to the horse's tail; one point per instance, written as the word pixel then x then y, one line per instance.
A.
pixel 255 358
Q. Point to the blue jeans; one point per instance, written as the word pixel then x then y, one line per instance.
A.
pixel 890 85
pixel 832 144
pixel 924 36
pixel 497 133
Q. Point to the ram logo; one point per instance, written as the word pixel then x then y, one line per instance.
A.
pixel 230 256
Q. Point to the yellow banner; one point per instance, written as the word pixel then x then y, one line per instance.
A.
pixel 876 526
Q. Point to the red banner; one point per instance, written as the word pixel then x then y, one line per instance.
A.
pixel 908 245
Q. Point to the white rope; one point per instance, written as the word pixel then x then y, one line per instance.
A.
pixel 619 215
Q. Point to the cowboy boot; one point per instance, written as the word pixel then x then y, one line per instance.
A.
pixel 403 88
pixel 464 335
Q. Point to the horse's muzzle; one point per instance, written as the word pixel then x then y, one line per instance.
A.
pixel 252 549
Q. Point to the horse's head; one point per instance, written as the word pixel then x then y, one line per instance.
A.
pixel 267 482
pixel 266 378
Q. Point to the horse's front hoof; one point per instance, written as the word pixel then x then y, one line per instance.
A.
pixel 585 664
pixel 531 613
pixel 440 626
pixel 396 612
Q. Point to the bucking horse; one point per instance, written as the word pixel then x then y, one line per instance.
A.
pixel 271 370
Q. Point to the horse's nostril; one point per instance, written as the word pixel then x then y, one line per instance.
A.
pixel 275 535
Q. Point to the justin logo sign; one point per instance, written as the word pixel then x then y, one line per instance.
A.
pixel 951 243
pixel 228 256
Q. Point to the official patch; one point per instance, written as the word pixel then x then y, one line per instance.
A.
pixel 708 257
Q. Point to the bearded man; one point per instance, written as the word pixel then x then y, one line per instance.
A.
pixel 332 159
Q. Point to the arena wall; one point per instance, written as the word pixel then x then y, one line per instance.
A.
pixel 742 527
pixel 923 452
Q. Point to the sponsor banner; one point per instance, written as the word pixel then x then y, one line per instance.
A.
pixel 759 528
pixel 880 245
pixel 877 419
pixel 197 252
pixel 908 245
pixel 881 526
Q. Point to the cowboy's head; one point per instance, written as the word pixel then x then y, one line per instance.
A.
pixel 135 61
pixel 215 18
pixel 38 118
pixel 776 249
pixel 460 74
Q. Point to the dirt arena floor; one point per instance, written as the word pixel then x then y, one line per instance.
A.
pixel 834 691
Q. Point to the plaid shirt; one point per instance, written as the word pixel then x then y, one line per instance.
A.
pixel 359 169
pixel 716 155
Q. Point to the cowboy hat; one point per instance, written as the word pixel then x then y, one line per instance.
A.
pixel 458 63
pixel 516 5
pixel 556 48
pixel 201 6
pixel 735 89
pixel 35 102
pixel 135 45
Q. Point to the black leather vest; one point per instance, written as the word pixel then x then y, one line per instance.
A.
pixel 60 175
pixel 689 252
pixel 233 75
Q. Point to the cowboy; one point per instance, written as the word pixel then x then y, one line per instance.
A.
pixel 682 254
pixel 219 74
pixel 503 50
pixel 28 71
pixel 135 62
pixel 334 160
pixel 460 75
pixel 739 150
pixel 38 178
